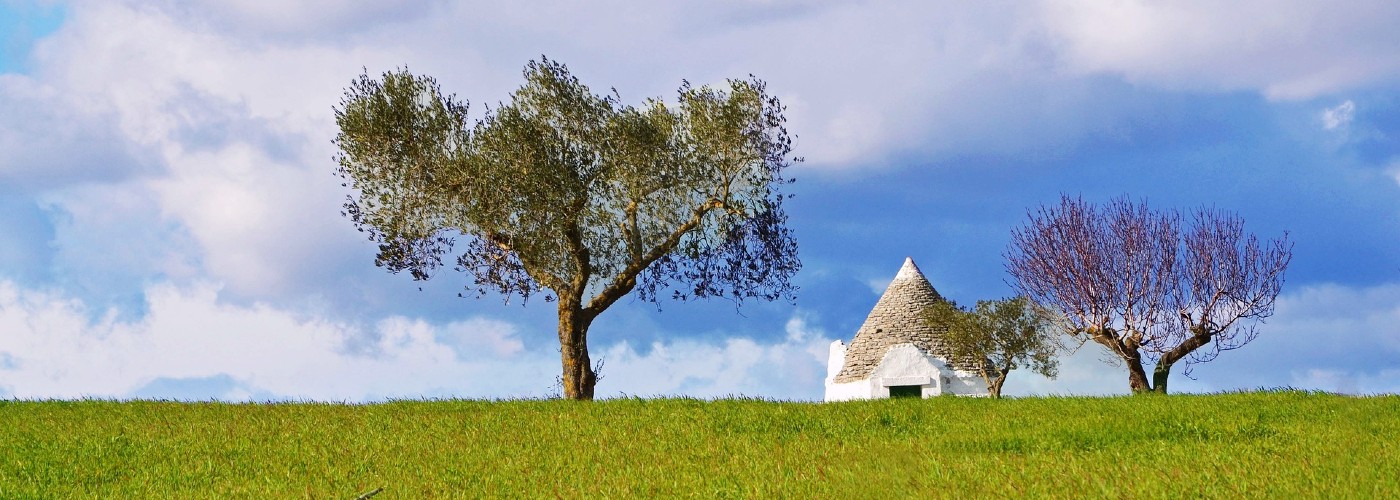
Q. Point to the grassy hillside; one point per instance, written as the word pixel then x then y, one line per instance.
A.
pixel 1257 444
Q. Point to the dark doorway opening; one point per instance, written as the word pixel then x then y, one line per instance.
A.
pixel 906 391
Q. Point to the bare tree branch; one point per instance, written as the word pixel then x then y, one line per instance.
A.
pixel 1130 279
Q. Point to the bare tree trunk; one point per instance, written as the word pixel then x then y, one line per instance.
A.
pixel 579 378
pixel 1198 338
pixel 1131 356
pixel 1159 377
pixel 1137 376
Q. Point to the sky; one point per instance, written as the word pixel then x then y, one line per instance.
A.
pixel 170 221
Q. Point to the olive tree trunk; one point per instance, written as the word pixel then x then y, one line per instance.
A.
pixel 578 378
pixel 994 384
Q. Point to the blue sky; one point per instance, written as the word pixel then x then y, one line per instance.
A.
pixel 21 23
pixel 169 221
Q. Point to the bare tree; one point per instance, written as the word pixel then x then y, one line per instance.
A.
pixel 1106 269
pixel 1226 282
pixel 1127 278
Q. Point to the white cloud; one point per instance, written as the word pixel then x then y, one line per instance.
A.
pixel 194 344
pixel 162 75
pixel 1324 337
pixel 50 139
pixel 1292 50
pixel 55 351
pixel 936 79
pixel 297 19
pixel 477 336
pixel 791 369
pixel 863 82
pixel 1338 116
pixel 1349 381
pixel 263 225
pixel 878 285
pixel 238 134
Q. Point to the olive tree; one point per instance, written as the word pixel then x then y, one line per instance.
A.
pixel 1133 280
pixel 571 193
pixel 1008 333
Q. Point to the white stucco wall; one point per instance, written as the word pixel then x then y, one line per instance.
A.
pixel 966 384
pixel 836 359
pixel 904 364
pixel 859 389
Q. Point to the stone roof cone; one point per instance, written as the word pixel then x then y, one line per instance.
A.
pixel 897 318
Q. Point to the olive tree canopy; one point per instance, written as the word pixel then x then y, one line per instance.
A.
pixel 1008 333
pixel 564 190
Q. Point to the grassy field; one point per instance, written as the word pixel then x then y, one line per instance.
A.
pixel 1269 444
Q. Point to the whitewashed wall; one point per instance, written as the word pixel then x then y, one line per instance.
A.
pixel 903 364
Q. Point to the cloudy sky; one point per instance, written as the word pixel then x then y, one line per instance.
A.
pixel 170 226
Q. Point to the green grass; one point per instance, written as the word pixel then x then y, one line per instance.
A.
pixel 1267 444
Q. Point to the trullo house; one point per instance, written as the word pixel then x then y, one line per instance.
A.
pixel 896 354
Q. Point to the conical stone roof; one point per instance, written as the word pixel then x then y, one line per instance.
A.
pixel 898 319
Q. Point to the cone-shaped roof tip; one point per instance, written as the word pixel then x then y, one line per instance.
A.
pixel 909 269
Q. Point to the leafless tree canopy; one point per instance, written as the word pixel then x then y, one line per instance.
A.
pixel 1143 284
pixel 1227 281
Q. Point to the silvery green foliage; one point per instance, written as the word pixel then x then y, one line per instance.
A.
pixel 1007 334
pixel 571 191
